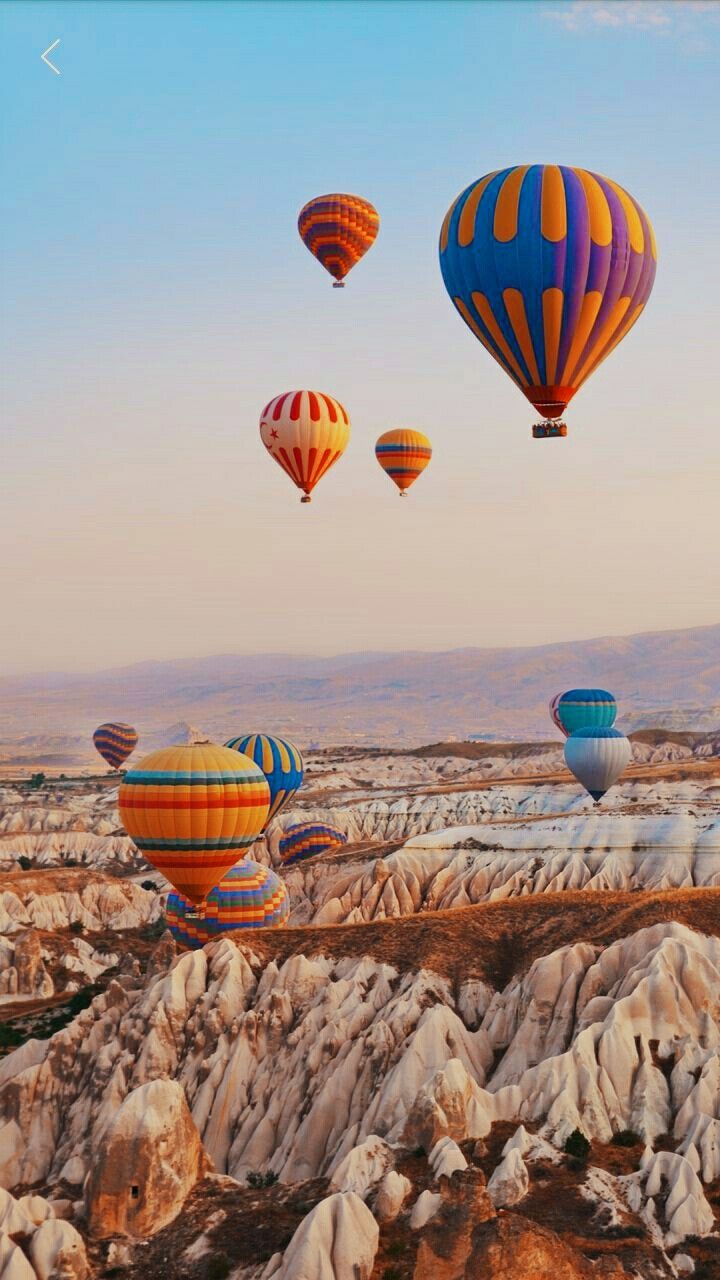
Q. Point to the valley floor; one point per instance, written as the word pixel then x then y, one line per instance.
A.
pixel 487 1044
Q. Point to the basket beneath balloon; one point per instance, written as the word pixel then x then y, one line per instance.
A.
pixel 547 430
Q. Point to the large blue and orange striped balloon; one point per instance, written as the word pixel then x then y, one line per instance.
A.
pixel 192 810
pixel 309 840
pixel 403 456
pixel 279 760
pixel 249 896
pixel 338 230
pixel 550 267
pixel 115 741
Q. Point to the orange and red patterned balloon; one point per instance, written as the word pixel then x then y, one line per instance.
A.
pixel 338 230
pixel 305 432
pixel 115 741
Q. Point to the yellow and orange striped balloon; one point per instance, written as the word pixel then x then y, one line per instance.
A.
pixel 193 810
pixel 305 432
pixel 403 456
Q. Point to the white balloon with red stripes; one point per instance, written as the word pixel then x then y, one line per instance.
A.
pixel 305 432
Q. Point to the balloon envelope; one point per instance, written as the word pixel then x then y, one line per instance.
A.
pixel 403 454
pixel 582 708
pixel 597 757
pixel 249 896
pixel 553 709
pixel 115 741
pixel 192 810
pixel 309 840
pixel 549 266
pixel 338 230
pixel 279 760
pixel 305 432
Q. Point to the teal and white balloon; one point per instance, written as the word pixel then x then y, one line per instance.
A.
pixel 597 757
pixel 583 708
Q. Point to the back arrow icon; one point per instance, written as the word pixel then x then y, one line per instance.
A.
pixel 45 58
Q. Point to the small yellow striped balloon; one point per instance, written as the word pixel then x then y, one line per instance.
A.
pixel 193 810
pixel 403 455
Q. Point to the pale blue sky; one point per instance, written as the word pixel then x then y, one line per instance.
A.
pixel 156 295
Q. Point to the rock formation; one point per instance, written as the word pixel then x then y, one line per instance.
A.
pixel 35 1245
pixel 145 1163
pixel 337 1241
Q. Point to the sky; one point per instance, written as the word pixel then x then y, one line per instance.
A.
pixel 155 295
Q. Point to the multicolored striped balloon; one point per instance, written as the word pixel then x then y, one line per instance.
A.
pixel 403 456
pixel 586 708
pixel 115 741
pixel 338 230
pixel 249 896
pixel 550 267
pixel 308 840
pixel 597 755
pixel 305 432
pixel 279 760
pixel 192 810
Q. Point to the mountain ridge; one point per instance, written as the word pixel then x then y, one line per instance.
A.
pixel 407 697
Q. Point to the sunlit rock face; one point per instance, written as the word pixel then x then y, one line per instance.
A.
pixel 144 1164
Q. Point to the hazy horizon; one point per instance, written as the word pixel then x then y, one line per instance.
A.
pixel 157 296
pixel 339 654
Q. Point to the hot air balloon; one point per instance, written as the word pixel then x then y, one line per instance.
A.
pixel 597 757
pixel 586 708
pixel 309 840
pixel 279 760
pixel 550 267
pixel 553 709
pixel 192 810
pixel 249 896
pixel 115 742
pixel 403 455
pixel 338 230
pixel 305 432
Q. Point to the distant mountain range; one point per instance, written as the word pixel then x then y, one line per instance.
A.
pixel 669 678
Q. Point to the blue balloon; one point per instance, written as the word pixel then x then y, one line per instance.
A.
pixel 279 760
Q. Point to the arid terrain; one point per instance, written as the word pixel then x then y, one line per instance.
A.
pixel 487 1045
